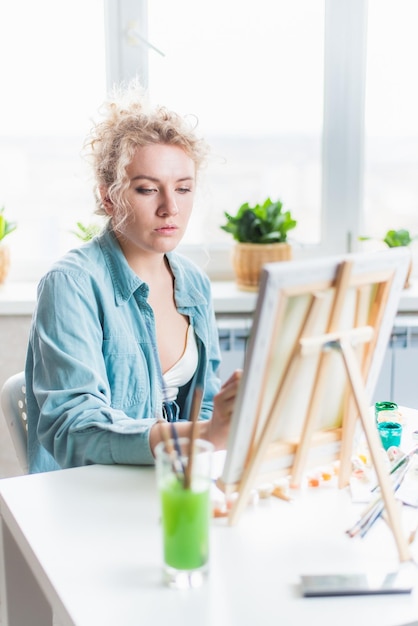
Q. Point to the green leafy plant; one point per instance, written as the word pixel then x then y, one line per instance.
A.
pixel 395 238
pixel 85 232
pixel 262 223
pixel 5 227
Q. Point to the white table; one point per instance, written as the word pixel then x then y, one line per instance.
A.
pixel 86 544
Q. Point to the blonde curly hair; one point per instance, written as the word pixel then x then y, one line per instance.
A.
pixel 128 123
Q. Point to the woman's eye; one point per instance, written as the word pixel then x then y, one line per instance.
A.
pixel 184 189
pixel 146 191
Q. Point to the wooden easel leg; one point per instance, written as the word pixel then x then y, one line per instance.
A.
pixel 308 429
pixel 342 282
pixel 372 437
pixel 347 439
pixel 260 447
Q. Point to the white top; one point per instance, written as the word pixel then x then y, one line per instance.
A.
pixel 92 537
pixel 183 370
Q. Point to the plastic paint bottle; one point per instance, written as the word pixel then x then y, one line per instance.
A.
pixel 387 412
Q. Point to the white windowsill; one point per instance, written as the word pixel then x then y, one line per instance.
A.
pixel 18 298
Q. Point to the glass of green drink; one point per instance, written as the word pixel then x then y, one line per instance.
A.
pixel 185 510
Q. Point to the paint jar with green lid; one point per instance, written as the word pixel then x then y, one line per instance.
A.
pixel 387 412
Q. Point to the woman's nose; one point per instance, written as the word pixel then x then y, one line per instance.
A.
pixel 168 205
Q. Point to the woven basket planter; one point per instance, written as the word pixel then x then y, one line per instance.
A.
pixel 249 258
pixel 4 262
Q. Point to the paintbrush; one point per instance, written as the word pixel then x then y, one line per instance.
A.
pixel 375 510
pixel 398 464
pixel 194 415
pixel 171 450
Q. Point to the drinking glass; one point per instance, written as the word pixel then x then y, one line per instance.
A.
pixel 185 509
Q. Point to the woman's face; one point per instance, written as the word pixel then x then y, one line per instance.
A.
pixel 161 193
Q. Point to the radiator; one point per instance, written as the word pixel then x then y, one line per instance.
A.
pixel 398 380
pixel 233 336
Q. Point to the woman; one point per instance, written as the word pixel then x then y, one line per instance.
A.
pixel 124 333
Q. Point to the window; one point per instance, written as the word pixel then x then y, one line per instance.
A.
pixel 253 75
pixel 280 90
pixel 391 165
pixel 53 79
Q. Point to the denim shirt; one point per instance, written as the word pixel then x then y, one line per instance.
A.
pixel 93 375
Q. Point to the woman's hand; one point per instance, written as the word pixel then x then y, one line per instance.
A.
pixel 223 406
pixel 216 429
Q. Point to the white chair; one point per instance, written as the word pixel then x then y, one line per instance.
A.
pixel 13 403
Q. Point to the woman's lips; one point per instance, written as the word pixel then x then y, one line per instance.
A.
pixel 167 230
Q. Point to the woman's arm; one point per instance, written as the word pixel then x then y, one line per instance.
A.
pixel 91 386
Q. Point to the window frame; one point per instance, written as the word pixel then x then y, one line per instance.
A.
pixel 345 51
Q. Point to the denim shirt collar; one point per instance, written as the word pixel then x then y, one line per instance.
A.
pixel 126 282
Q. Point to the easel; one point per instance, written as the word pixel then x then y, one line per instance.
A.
pixel 355 345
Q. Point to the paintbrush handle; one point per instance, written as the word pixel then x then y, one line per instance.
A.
pixel 375 509
pixel 399 464
pixel 379 510
pixel 194 416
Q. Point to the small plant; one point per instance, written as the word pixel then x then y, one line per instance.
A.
pixel 395 238
pixel 86 232
pixel 262 223
pixel 5 227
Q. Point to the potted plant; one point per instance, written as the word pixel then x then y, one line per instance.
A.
pixel 260 233
pixel 86 232
pixel 394 239
pixel 5 229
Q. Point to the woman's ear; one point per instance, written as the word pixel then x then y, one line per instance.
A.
pixel 107 203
